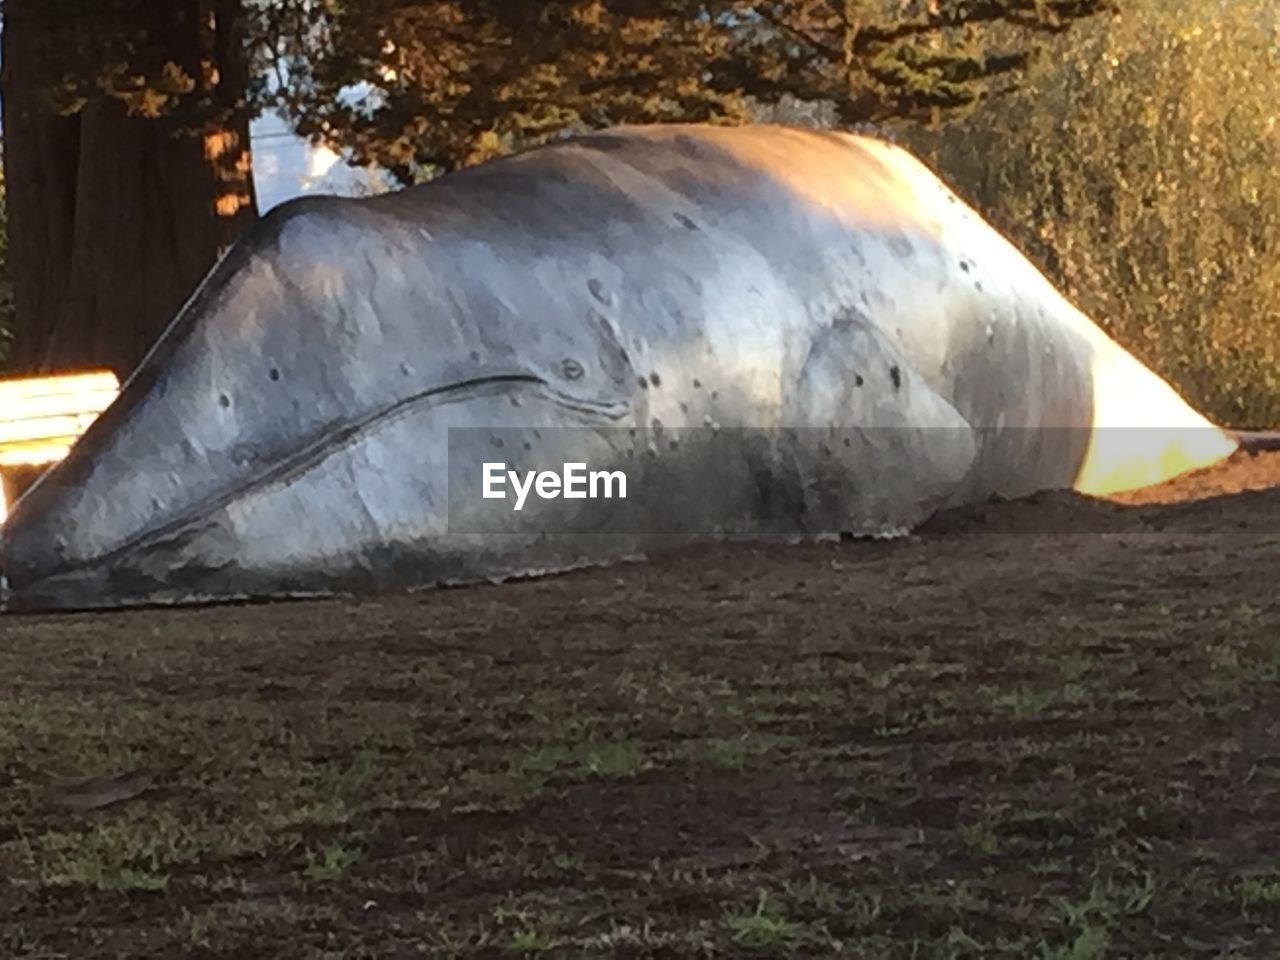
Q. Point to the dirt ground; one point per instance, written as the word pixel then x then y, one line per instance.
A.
pixel 1045 729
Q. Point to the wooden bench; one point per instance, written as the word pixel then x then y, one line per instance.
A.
pixel 41 417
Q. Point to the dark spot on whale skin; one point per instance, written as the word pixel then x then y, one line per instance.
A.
pixel 475 356
pixel 901 246
pixel 497 442
pixel 598 291
pixel 243 454
pixel 964 265
pixel 896 376
pixel 692 147
pixel 224 401
pixel 857 379
pixel 274 374
pixel 644 382
pixel 697 384
pixel 606 143
pixel 655 379
pixel 685 222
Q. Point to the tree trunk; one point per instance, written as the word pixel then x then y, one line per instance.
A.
pixel 114 219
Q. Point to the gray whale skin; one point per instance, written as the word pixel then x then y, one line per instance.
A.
pixel 771 331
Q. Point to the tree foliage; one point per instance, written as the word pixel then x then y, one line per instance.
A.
pixel 138 53
pixel 452 82
pixel 1140 172
pixel 126 153
pixel 449 82
pixel 128 119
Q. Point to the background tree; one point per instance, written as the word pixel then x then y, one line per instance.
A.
pixel 450 83
pixel 1140 172
pixel 6 290
pixel 126 157
pixel 126 121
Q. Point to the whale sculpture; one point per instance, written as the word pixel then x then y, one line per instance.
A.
pixel 765 331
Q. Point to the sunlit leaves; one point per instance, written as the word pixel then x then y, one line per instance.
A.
pixel 424 85
pixel 480 73
pixel 1140 170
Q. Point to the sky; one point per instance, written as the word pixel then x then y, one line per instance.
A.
pixel 286 166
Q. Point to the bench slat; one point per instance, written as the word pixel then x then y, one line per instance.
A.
pixel 44 428
pixel 11 391
pixel 37 452
pixel 52 405
pixel 41 418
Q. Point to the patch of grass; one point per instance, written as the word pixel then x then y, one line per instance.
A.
pixel 623 758
pixel 1091 921
pixel 1257 891
pixel 766 927
pixel 1089 944
pixel 330 863
pixel 812 892
pixel 200 929
pixel 981 836
pixel 1024 703
pixel 531 941
pixel 66 871
pixel 728 754
pixel 546 759
pixel 132 849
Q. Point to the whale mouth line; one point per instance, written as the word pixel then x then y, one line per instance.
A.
pixel 329 439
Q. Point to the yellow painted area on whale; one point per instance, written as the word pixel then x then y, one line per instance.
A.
pixel 1143 433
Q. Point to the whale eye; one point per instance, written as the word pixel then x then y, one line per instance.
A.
pixel 571 369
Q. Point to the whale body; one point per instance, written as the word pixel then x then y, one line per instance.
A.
pixel 769 331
